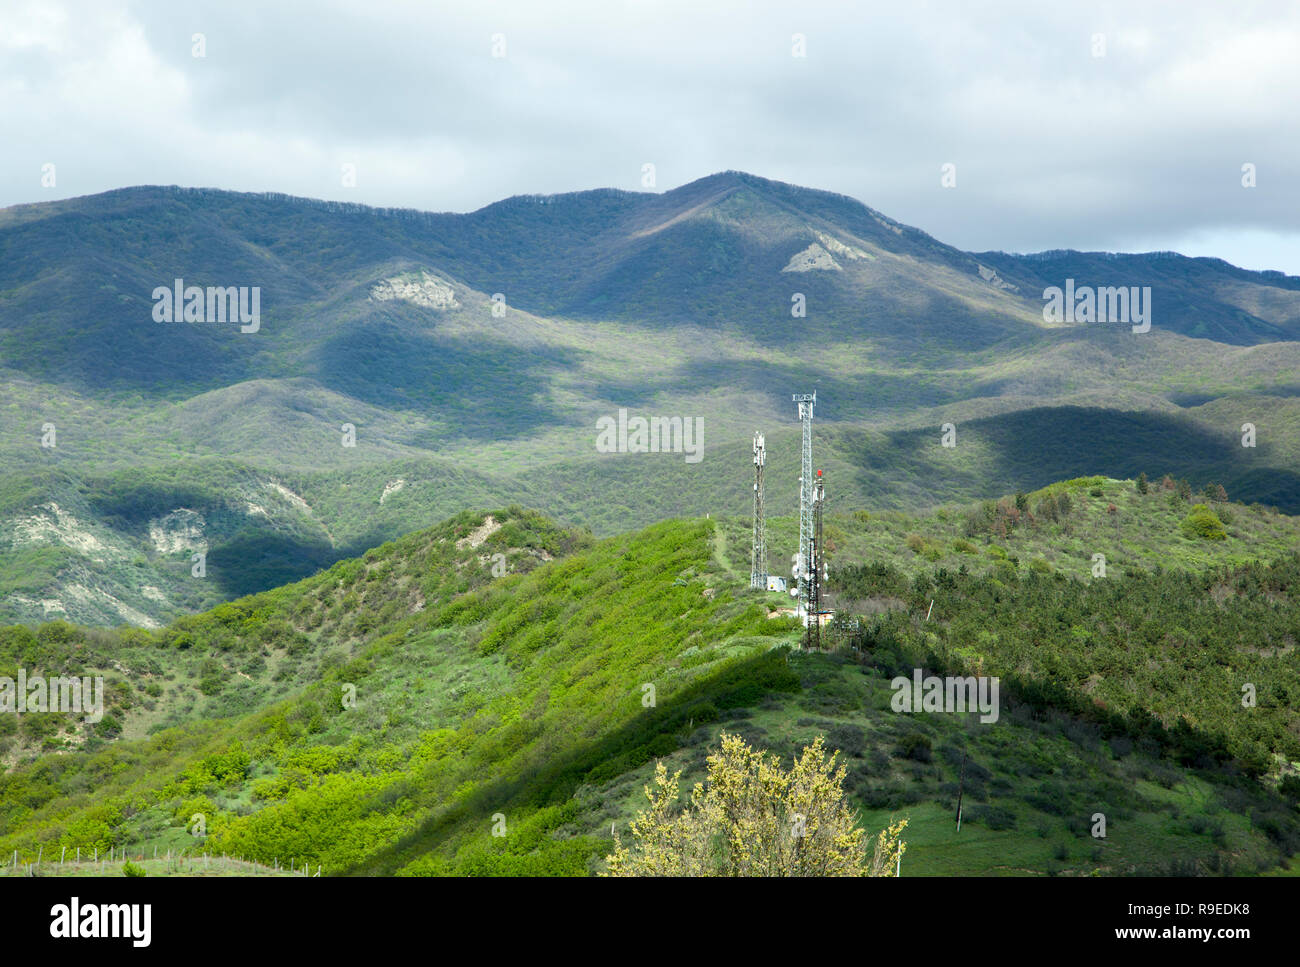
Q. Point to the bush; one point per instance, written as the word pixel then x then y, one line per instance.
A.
pixel 849 739
pixel 1203 524
pixel 130 869
pixel 996 818
pixel 109 726
pixel 1289 787
pixel 916 746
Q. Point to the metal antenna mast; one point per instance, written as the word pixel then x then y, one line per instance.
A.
pixel 806 402
pixel 758 554
pixel 816 568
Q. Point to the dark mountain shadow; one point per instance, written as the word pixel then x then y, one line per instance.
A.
pixel 262 560
pixel 481 388
pixel 847 396
pixel 1036 447
pixel 1184 291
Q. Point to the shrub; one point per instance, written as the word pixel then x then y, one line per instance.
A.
pixel 849 739
pixel 1289 787
pixel 915 746
pixel 996 818
pixel 109 726
pixel 1203 524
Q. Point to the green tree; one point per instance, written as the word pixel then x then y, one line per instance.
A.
pixel 1144 485
pixel 753 818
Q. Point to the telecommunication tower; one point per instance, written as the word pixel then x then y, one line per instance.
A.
pixel 758 554
pixel 806 403
pixel 816 569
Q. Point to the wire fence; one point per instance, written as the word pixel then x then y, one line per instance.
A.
pixel 92 861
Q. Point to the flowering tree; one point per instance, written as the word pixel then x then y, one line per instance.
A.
pixel 752 818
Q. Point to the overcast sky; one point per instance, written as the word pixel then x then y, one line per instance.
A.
pixel 1053 147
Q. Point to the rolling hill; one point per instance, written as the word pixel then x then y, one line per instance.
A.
pixel 385 715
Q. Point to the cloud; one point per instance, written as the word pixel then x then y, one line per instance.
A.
pixel 1053 146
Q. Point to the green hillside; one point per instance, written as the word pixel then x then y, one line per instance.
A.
pixel 498 671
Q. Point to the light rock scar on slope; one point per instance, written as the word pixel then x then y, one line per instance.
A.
pixel 477 536
pixel 290 496
pixel 181 530
pixel 429 292
pixel 58 526
pixel 93 597
pixel 814 257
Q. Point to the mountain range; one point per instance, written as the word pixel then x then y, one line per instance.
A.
pixel 469 357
